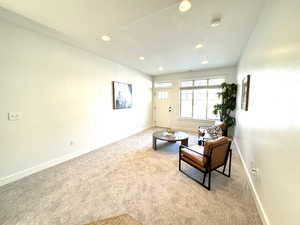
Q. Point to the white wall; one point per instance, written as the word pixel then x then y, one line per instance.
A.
pixel 268 135
pixel 65 94
pixel 229 73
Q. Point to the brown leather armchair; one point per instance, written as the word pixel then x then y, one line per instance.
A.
pixel 213 155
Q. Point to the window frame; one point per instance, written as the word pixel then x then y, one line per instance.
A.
pixel 195 88
pixel 156 82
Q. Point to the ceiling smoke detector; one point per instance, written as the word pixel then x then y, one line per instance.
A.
pixel 216 22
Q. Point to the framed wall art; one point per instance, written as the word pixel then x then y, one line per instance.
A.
pixel 122 95
pixel 245 93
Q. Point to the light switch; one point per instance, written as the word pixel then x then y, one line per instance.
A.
pixel 15 116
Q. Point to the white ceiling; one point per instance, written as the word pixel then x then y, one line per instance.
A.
pixel 154 29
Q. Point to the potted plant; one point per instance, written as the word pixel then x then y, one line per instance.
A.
pixel 228 105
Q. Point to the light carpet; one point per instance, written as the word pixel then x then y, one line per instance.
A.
pixel 128 177
pixel 117 220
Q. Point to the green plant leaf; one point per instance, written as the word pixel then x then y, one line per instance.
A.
pixel 228 105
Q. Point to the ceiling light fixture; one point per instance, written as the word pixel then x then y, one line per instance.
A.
pixel 160 68
pixel 204 62
pixel 105 38
pixel 185 6
pixel 141 57
pixel 215 22
pixel 199 45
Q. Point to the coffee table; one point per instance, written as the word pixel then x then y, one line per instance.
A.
pixel 178 136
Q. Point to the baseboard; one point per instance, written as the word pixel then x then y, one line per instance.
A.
pixel 257 200
pixel 186 129
pixel 27 172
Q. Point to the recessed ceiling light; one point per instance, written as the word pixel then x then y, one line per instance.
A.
pixel 105 38
pixel 199 45
pixel 141 57
pixel 160 68
pixel 204 62
pixel 215 22
pixel 185 6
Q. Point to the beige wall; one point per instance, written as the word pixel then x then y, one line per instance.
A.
pixel 229 73
pixel 65 94
pixel 268 135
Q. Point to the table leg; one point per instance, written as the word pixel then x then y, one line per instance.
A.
pixel 185 142
pixel 154 143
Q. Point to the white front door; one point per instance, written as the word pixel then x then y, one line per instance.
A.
pixel 162 108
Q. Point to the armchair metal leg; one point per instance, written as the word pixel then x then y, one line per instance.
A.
pixel 224 167
pixel 230 156
pixel 179 163
pixel 201 183
pixel 209 180
pixel 204 177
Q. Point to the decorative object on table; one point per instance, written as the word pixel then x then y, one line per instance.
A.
pixel 245 93
pixel 201 132
pixel 215 131
pixel 177 136
pixel 122 95
pixel 228 105
pixel 117 220
pixel 220 129
pixel 170 131
pixel 207 158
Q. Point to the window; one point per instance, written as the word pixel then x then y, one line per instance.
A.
pixel 198 97
pixel 187 83
pixel 200 82
pixel 162 95
pixel 162 84
pixel 215 81
pixel 186 103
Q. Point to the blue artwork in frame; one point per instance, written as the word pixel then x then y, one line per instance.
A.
pixel 122 95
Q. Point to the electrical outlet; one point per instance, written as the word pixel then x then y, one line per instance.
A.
pixel 12 116
pixel 254 171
